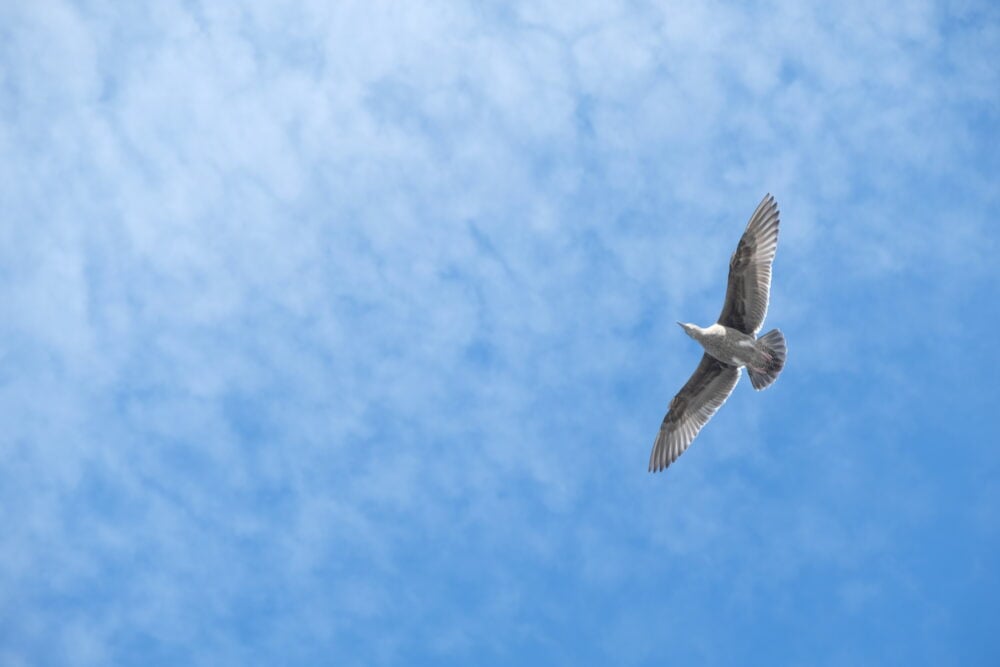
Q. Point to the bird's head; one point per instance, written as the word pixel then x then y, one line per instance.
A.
pixel 690 329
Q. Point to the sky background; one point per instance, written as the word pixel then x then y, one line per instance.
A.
pixel 340 332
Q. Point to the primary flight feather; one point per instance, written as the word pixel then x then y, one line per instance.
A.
pixel 731 343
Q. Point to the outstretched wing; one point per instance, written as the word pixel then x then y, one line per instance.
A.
pixel 692 407
pixel 750 271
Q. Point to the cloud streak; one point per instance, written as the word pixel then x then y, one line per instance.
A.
pixel 345 331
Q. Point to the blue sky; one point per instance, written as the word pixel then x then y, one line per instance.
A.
pixel 339 333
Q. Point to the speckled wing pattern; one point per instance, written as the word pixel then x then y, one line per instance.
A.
pixel 692 407
pixel 750 271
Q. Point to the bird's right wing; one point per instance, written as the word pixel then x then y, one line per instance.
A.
pixel 692 407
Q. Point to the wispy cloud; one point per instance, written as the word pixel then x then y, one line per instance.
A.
pixel 343 331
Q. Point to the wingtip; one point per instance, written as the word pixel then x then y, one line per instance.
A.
pixel 655 464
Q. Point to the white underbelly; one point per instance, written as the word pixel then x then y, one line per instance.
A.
pixel 734 353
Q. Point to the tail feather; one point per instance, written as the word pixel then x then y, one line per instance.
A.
pixel 772 343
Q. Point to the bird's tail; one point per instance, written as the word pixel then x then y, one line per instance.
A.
pixel 772 345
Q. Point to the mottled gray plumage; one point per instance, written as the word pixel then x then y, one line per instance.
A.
pixel 750 271
pixel 731 343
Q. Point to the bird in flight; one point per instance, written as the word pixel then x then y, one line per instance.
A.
pixel 731 343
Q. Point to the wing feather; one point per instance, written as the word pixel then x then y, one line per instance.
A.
pixel 700 398
pixel 749 285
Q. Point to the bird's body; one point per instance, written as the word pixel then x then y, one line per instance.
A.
pixel 730 344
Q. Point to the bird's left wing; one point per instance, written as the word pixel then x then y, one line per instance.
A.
pixel 692 407
pixel 750 271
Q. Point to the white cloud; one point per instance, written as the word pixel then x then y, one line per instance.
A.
pixel 366 292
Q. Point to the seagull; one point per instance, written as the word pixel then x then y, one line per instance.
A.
pixel 731 343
